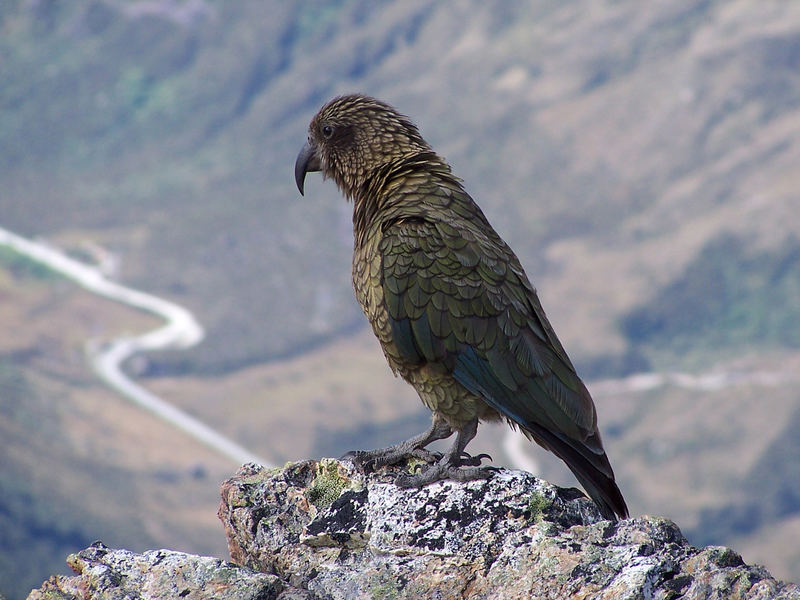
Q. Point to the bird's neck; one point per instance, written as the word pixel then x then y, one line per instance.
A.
pixel 377 191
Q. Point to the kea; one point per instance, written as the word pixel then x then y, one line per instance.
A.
pixel 450 304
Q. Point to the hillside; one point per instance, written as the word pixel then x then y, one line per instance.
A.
pixel 640 159
pixel 167 131
pixel 78 462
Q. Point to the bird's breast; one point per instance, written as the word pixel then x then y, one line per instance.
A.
pixel 368 287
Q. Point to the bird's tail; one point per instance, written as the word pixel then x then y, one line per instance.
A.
pixel 590 468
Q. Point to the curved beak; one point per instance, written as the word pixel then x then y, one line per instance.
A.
pixel 307 162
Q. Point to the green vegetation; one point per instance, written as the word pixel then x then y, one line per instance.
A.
pixel 23 267
pixel 385 590
pixel 727 298
pixel 327 485
pixel 537 506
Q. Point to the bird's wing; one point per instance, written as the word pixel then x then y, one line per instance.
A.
pixel 457 298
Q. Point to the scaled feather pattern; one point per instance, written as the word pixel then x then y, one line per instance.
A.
pixel 454 312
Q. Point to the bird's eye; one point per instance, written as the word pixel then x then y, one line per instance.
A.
pixel 327 131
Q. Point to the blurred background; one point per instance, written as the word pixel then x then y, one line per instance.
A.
pixel 641 159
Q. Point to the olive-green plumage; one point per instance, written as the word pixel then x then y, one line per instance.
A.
pixel 449 301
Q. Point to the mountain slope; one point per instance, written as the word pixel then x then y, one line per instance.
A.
pixel 608 143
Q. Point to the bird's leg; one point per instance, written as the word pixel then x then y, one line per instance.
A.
pixel 414 447
pixel 455 464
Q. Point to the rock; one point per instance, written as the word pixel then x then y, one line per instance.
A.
pixel 322 530
pixel 326 528
pixel 105 573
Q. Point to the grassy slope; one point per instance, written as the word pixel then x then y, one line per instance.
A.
pixel 78 462
pixel 726 298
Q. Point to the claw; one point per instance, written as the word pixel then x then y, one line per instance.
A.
pixel 474 461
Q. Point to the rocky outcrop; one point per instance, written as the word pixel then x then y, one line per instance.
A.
pixel 315 530
pixel 105 573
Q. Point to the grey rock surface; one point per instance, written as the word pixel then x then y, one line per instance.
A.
pixel 326 528
pixel 103 573
pixel 322 530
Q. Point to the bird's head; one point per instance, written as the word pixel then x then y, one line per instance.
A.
pixel 352 136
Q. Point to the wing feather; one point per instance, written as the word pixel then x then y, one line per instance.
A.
pixel 462 299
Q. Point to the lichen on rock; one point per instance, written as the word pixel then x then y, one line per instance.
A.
pixel 331 480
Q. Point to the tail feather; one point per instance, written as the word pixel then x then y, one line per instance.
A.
pixel 592 470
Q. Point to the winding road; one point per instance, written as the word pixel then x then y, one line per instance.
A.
pixel 180 331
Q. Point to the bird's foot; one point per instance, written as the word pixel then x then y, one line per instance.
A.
pixel 371 460
pixel 465 468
